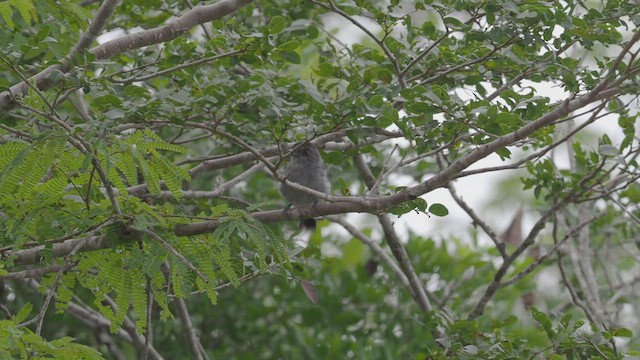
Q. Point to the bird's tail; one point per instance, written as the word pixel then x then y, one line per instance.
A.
pixel 308 224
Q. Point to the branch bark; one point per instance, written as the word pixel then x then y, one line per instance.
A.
pixel 373 205
pixel 189 330
pixel 194 17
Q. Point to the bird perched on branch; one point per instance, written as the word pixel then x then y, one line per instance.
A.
pixel 307 169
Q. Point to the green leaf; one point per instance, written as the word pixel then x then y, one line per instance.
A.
pixel 344 187
pixel 420 108
pixel 390 113
pixel 136 91
pixel 291 56
pixel 544 322
pixel 632 192
pixel 504 153
pixel 453 22
pixel 376 100
pixel 326 70
pixel 277 24
pixel 438 210
pixel 384 75
pixel 420 204
pixel 622 332
pixel 608 150
pixel 106 102
pixel 428 29
pixel 401 209
pixel 43 33
pixel 26 10
pixel 289 45
pixel 21 316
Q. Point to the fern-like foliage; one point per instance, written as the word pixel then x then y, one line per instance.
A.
pixel 114 277
pixel 25 8
pixel 28 165
pixel 17 342
pixel 141 155
pixel 51 190
pixel 35 191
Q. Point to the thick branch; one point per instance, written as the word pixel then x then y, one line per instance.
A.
pixel 194 17
pixel 42 79
pixel 397 249
pixel 379 204
pixel 35 254
pixel 323 141
pixel 374 205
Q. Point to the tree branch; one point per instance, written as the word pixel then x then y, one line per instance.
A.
pixel 375 248
pixel 42 80
pixel 374 205
pixel 495 285
pixel 500 246
pixel 397 249
pixel 189 330
pixel 194 17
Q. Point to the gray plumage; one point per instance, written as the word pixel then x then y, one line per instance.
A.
pixel 305 168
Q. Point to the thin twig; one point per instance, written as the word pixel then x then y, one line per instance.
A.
pixel 177 254
pixel 187 326
pixel 177 67
pixel 397 249
pixel 500 246
pixel 377 249
pixel 546 256
pixel 332 6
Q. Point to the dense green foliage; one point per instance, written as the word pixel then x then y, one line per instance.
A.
pixel 139 212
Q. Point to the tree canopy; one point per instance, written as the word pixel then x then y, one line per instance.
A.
pixel 141 151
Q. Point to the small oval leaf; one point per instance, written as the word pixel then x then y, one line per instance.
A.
pixel 291 56
pixel 438 210
pixel 277 24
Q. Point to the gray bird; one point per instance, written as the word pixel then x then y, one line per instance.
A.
pixel 305 168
